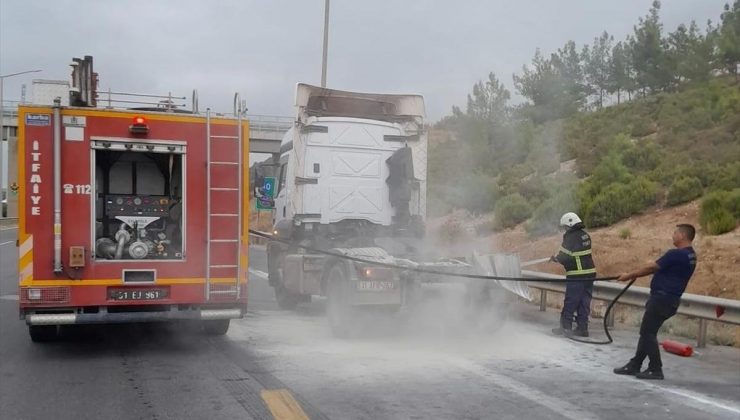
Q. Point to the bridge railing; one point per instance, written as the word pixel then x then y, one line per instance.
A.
pixel 269 123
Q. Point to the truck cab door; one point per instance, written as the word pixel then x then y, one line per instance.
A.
pixel 281 200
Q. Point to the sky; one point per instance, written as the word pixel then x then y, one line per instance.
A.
pixel 263 48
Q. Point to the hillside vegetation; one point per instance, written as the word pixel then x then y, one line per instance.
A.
pixel 608 130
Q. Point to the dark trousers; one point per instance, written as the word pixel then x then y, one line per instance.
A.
pixel 577 301
pixel 656 313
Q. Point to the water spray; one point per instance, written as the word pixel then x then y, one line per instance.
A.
pixel 410 267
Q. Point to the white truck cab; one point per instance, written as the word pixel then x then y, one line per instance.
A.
pixel 334 163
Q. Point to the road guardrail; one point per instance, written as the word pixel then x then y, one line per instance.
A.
pixel 704 308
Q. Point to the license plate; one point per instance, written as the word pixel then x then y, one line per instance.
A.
pixel 138 294
pixel 375 285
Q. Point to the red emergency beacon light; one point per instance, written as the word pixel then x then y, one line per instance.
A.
pixel 139 126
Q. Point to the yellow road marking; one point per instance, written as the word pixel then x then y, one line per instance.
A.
pixel 282 405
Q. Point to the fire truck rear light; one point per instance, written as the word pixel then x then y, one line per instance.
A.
pixel 34 294
pixel 223 291
pixel 45 295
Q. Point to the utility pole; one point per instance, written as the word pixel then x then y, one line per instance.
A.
pixel 326 43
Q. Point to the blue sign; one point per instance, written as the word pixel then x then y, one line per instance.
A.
pixel 38 119
pixel 265 194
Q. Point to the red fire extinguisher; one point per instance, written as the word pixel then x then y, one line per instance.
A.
pixel 680 349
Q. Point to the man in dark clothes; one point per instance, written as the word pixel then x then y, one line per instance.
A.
pixel 575 256
pixel 671 274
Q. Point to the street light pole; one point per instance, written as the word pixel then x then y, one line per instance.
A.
pixel 3 167
pixel 326 43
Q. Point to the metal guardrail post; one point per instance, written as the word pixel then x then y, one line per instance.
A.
pixel 701 335
pixel 610 319
pixel 543 300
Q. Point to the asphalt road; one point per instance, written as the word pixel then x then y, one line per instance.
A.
pixel 431 364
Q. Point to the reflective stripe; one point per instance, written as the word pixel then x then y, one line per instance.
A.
pixel 577 272
pixel 578 263
pixel 575 254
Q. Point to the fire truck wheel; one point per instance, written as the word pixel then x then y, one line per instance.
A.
pixel 42 333
pixel 216 326
pixel 338 309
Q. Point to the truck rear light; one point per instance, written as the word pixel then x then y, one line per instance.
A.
pixel 375 272
pixel 34 294
pixel 44 295
pixel 223 292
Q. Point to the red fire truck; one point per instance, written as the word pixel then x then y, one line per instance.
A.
pixel 130 215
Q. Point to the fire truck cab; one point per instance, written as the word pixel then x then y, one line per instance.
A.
pixel 130 215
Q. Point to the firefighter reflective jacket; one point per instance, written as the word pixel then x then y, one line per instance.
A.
pixel 575 253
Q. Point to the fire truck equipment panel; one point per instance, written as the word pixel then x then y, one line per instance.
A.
pixel 137 205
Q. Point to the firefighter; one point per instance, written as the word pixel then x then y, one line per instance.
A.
pixel 575 256
pixel 671 274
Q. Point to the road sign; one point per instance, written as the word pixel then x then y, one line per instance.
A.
pixel 266 194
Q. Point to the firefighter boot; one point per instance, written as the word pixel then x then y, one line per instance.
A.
pixel 581 332
pixel 628 369
pixel 562 331
pixel 650 374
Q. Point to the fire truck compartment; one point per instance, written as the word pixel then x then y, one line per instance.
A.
pixel 139 200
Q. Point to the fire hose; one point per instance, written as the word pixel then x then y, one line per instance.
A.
pixel 420 270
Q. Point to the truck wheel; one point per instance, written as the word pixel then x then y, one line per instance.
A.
pixel 286 299
pixel 216 326
pixel 42 333
pixel 338 310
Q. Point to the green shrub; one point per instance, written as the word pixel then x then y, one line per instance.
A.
pixel 733 203
pixel 642 126
pixel 642 156
pixel 715 215
pixel 511 210
pixel 625 233
pixel 534 191
pixel 719 222
pixel 546 217
pixel 610 170
pixel 511 178
pixel 727 177
pixel 619 201
pixel 684 190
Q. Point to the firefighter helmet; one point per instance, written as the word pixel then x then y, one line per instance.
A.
pixel 570 219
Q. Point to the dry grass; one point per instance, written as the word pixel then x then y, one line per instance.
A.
pixel 650 237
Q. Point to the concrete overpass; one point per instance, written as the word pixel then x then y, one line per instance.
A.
pixel 266 132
